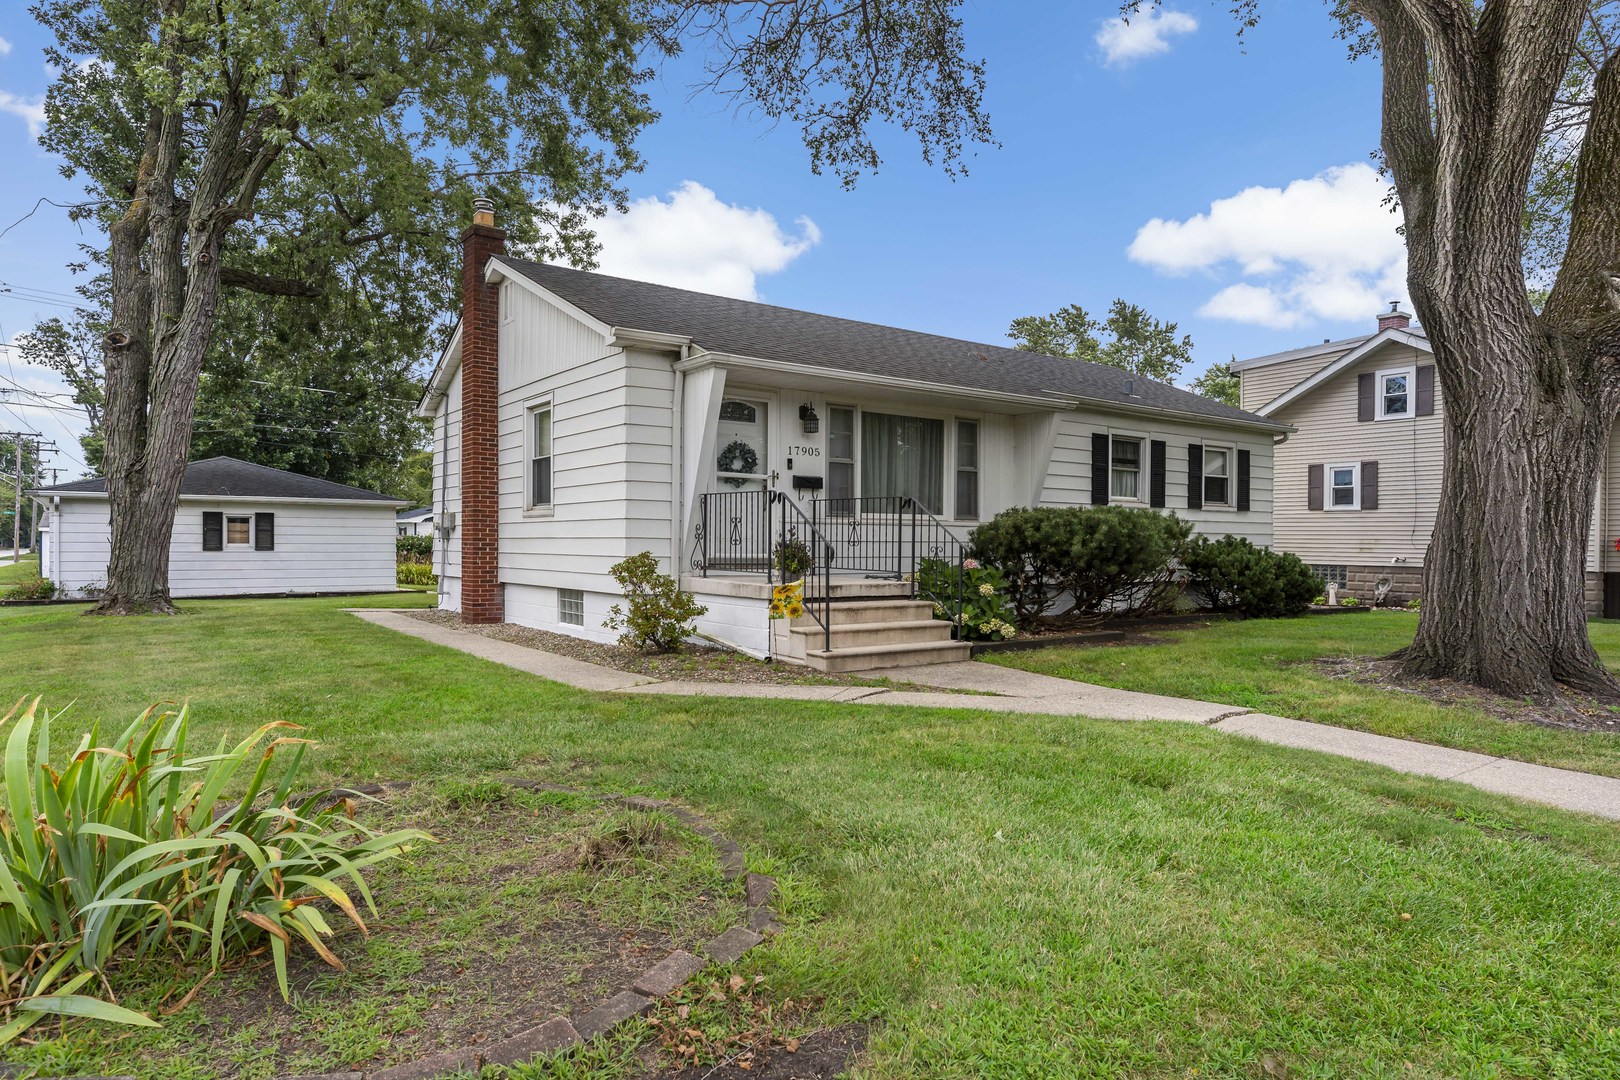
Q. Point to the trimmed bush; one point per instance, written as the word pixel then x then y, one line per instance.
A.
pixel 660 615
pixel 413 549
pixel 1236 576
pixel 1106 558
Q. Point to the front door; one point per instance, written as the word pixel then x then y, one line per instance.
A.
pixel 741 519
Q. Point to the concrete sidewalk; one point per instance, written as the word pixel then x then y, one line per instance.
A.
pixel 1013 691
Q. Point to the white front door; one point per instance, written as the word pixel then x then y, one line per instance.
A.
pixel 739 518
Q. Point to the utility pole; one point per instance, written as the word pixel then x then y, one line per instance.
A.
pixel 18 439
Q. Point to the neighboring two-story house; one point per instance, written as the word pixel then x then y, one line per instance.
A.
pixel 1358 483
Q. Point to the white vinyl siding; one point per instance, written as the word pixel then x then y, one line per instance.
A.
pixel 1068 477
pixel 320 547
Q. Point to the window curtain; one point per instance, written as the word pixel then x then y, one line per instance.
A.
pixel 903 455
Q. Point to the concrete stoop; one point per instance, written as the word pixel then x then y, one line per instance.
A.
pixel 869 633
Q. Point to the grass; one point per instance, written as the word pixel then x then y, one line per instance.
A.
pixel 502 924
pixel 1006 896
pixel 1264 664
pixel 26 569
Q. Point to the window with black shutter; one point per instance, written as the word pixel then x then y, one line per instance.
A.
pixel 264 532
pixel 213 530
pixel 1156 473
pixel 1099 468
pixel 1195 476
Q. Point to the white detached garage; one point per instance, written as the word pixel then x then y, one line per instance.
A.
pixel 240 529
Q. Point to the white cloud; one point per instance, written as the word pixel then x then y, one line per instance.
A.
pixel 5 47
pixel 694 241
pixel 1146 33
pixel 31 110
pixel 1322 249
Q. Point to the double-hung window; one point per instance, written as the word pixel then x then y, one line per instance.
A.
pixel 1343 487
pixel 967 470
pixel 840 459
pixel 1217 476
pixel 1125 467
pixel 1396 389
pixel 540 456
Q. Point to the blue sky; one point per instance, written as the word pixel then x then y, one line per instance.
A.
pixel 1220 185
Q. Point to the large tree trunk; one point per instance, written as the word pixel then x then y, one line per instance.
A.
pixel 1504 583
pixel 1529 398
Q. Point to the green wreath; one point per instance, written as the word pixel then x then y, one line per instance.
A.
pixel 737 451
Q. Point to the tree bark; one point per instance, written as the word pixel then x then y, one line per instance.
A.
pixel 1530 399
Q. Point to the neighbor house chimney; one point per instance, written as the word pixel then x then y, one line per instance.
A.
pixel 1394 318
pixel 481 597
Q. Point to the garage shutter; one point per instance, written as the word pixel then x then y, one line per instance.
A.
pixel 264 532
pixel 213 530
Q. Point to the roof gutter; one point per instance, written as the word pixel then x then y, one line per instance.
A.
pixel 380 503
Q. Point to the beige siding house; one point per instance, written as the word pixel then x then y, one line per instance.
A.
pixel 579 419
pixel 1358 483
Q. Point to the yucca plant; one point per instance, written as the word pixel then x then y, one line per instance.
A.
pixel 128 853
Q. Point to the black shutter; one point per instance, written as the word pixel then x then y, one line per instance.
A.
pixel 1369 485
pixel 1156 473
pixel 1364 397
pixel 1425 390
pixel 1313 493
pixel 213 530
pixel 1243 480
pixel 264 532
pixel 1099 469
pixel 1195 476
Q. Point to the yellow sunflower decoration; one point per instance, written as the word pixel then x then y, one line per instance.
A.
pixel 787 600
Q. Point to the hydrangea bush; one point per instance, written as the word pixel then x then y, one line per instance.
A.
pixel 986 615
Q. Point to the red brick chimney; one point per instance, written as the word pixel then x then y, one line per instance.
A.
pixel 1394 318
pixel 481 598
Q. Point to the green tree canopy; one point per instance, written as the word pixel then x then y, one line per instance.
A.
pixel 1218 383
pixel 1129 338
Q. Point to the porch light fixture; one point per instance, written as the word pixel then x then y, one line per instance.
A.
pixel 809 419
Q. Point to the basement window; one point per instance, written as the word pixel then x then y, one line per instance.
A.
pixel 571 607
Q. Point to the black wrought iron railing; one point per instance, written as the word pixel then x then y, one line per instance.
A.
pixel 890 537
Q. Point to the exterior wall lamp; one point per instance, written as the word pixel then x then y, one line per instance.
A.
pixel 808 418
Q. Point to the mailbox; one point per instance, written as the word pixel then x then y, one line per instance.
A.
pixel 802 482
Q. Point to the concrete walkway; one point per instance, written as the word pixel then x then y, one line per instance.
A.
pixel 1001 689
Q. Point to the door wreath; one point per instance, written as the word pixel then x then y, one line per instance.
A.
pixel 737 457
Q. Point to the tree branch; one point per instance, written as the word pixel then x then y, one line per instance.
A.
pixel 1585 288
pixel 264 284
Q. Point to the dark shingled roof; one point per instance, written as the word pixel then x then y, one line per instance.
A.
pixel 764 332
pixel 230 477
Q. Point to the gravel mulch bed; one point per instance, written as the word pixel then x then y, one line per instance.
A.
pixel 692 664
pixel 1570 711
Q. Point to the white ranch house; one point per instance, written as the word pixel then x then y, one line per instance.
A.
pixel 579 419
pixel 240 530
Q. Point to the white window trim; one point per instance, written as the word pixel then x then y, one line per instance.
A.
pixel 504 299
pixel 1411 393
pixel 532 509
pixel 952 451
pixel 229 543
pixel 1231 477
pixel 1144 468
pixel 948 419
pixel 1355 485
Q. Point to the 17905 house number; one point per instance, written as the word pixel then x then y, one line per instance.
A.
pixel 804 451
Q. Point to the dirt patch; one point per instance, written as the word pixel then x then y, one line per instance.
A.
pixel 821 1055
pixel 694 663
pixel 532 905
pixel 1569 711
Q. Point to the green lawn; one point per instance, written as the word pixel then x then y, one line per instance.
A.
pixel 1263 664
pixel 25 569
pixel 1003 896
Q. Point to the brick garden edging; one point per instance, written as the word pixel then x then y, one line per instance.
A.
pixel 658 981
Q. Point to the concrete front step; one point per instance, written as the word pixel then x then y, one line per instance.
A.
pixel 866 612
pixel 865 658
pixel 857 635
